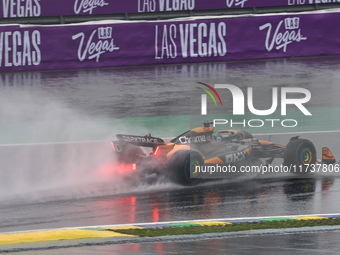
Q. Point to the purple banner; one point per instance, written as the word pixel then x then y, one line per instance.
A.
pixel 132 43
pixel 38 8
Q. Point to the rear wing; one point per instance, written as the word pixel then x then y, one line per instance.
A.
pixel 145 141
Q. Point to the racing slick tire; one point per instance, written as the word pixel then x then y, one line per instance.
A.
pixel 299 153
pixel 180 166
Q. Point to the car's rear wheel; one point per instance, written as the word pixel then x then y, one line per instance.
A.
pixel 299 153
pixel 183 166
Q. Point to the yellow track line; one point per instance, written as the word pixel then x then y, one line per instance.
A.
pixel 55 235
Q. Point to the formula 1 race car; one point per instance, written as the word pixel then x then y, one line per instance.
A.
pixel 179 158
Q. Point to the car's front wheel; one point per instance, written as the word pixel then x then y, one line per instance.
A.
pixel 300 153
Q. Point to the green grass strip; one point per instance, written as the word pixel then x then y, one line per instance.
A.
pixel 234 227
pixel 183 224
pixel 276 219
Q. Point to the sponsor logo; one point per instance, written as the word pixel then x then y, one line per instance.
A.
pixel 194 139
pixel 165 5
pixel 21 9
pixel 87 6
pixel 235 157
pixel 190 40
pixel 20 48
pixel 93 49
pixel 257 147
pixel 139 139
pixel 286 32
pixel 236 3
pixel 238 99
pixel 300 2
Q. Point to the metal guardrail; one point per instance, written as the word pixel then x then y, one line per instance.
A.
pixel 166 15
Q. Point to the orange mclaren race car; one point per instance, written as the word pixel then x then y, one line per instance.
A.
pixel 179 158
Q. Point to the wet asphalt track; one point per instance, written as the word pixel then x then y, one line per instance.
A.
pixel 53 186
pixel 99 202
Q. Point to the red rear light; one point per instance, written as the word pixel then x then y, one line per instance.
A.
pixel 163 149
pixel 113 146
pixel 134 166
pixel 156 151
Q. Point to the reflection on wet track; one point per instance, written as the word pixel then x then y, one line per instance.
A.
pixel 265 197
